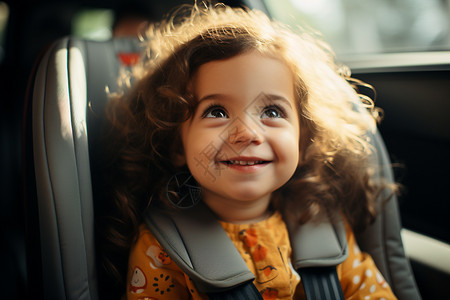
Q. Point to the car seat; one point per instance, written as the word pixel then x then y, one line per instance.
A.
pixel 66 111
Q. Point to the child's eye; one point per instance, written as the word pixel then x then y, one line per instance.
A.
pixel 273 112
pixel 215 111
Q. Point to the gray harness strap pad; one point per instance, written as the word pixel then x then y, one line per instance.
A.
pixel 317 248
pixel 200 247
pixel 318 243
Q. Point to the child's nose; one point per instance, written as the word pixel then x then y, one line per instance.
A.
pixel 245 132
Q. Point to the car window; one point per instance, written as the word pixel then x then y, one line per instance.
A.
pixel 93 23
pixel 4 15
pixel 368 27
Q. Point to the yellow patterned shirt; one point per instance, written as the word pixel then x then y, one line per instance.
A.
pixel 266 249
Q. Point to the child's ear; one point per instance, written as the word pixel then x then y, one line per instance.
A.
pixel 178 155
pixel 179 159
pixel 305 142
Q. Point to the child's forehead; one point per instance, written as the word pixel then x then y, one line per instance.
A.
pixel 251 61
pixel 245 75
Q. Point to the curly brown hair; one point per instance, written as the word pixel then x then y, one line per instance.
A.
pixel 335 171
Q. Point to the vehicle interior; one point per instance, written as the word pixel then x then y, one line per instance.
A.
pixel 401 48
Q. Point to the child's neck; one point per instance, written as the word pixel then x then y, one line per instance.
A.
pixel 239 212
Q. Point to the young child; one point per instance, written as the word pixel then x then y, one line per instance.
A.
pixel 270 129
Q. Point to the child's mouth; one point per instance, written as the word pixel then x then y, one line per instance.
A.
pixel 245 162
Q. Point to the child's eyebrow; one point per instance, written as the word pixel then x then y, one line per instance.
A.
pixel 273 97
pixel 212 97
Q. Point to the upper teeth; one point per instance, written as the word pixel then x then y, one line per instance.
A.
pixel 245 162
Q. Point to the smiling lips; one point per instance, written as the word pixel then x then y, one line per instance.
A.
pixel 245 162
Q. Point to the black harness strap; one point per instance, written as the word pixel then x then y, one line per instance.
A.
pixel 321 283
pixel 246 291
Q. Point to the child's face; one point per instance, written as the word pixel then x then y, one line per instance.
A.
pixel 243 141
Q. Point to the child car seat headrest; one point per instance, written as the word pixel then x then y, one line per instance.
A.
pixel 68 98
